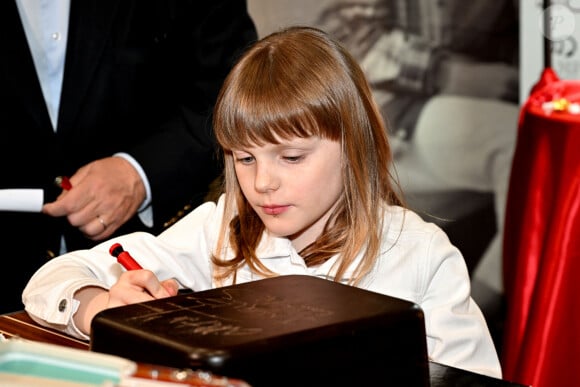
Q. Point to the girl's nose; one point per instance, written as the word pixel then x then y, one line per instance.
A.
pixel 266 178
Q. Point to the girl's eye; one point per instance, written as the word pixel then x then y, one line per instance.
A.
pixel 245 160
pixel 293 159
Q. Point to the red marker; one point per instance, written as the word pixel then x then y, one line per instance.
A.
pixel 123 257
pixel 63 182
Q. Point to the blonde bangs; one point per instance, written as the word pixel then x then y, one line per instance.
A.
pixel 266 99
pixel 257 121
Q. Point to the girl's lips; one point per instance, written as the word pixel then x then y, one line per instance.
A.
pixel 274 210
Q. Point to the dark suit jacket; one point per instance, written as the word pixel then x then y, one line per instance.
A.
pixel 141 76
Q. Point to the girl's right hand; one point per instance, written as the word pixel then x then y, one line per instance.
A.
pixel 133 286
pixel 139 286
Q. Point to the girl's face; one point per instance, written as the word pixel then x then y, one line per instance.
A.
pixel 293 186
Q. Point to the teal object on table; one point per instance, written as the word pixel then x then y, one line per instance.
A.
pixel 39 361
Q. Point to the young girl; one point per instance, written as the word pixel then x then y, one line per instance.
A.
pixel 307 191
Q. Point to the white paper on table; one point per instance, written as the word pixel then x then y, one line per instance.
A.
pixel 21 200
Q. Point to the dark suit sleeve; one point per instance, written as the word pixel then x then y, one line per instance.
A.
pixel 200 41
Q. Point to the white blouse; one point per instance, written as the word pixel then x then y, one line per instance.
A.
pixel 417 263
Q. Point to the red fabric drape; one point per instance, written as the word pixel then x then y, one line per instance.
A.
pixel 542 240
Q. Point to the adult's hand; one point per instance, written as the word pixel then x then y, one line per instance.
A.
pixel 105 194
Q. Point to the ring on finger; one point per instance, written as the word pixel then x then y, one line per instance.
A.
pixel 102 222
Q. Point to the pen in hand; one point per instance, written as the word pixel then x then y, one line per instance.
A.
pixel 123 257
pixel 63 182
pixel 129 263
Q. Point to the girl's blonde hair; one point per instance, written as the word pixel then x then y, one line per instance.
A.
pixel 300 82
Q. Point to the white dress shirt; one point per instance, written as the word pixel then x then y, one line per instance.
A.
pixel 417 263
pixel 46 25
